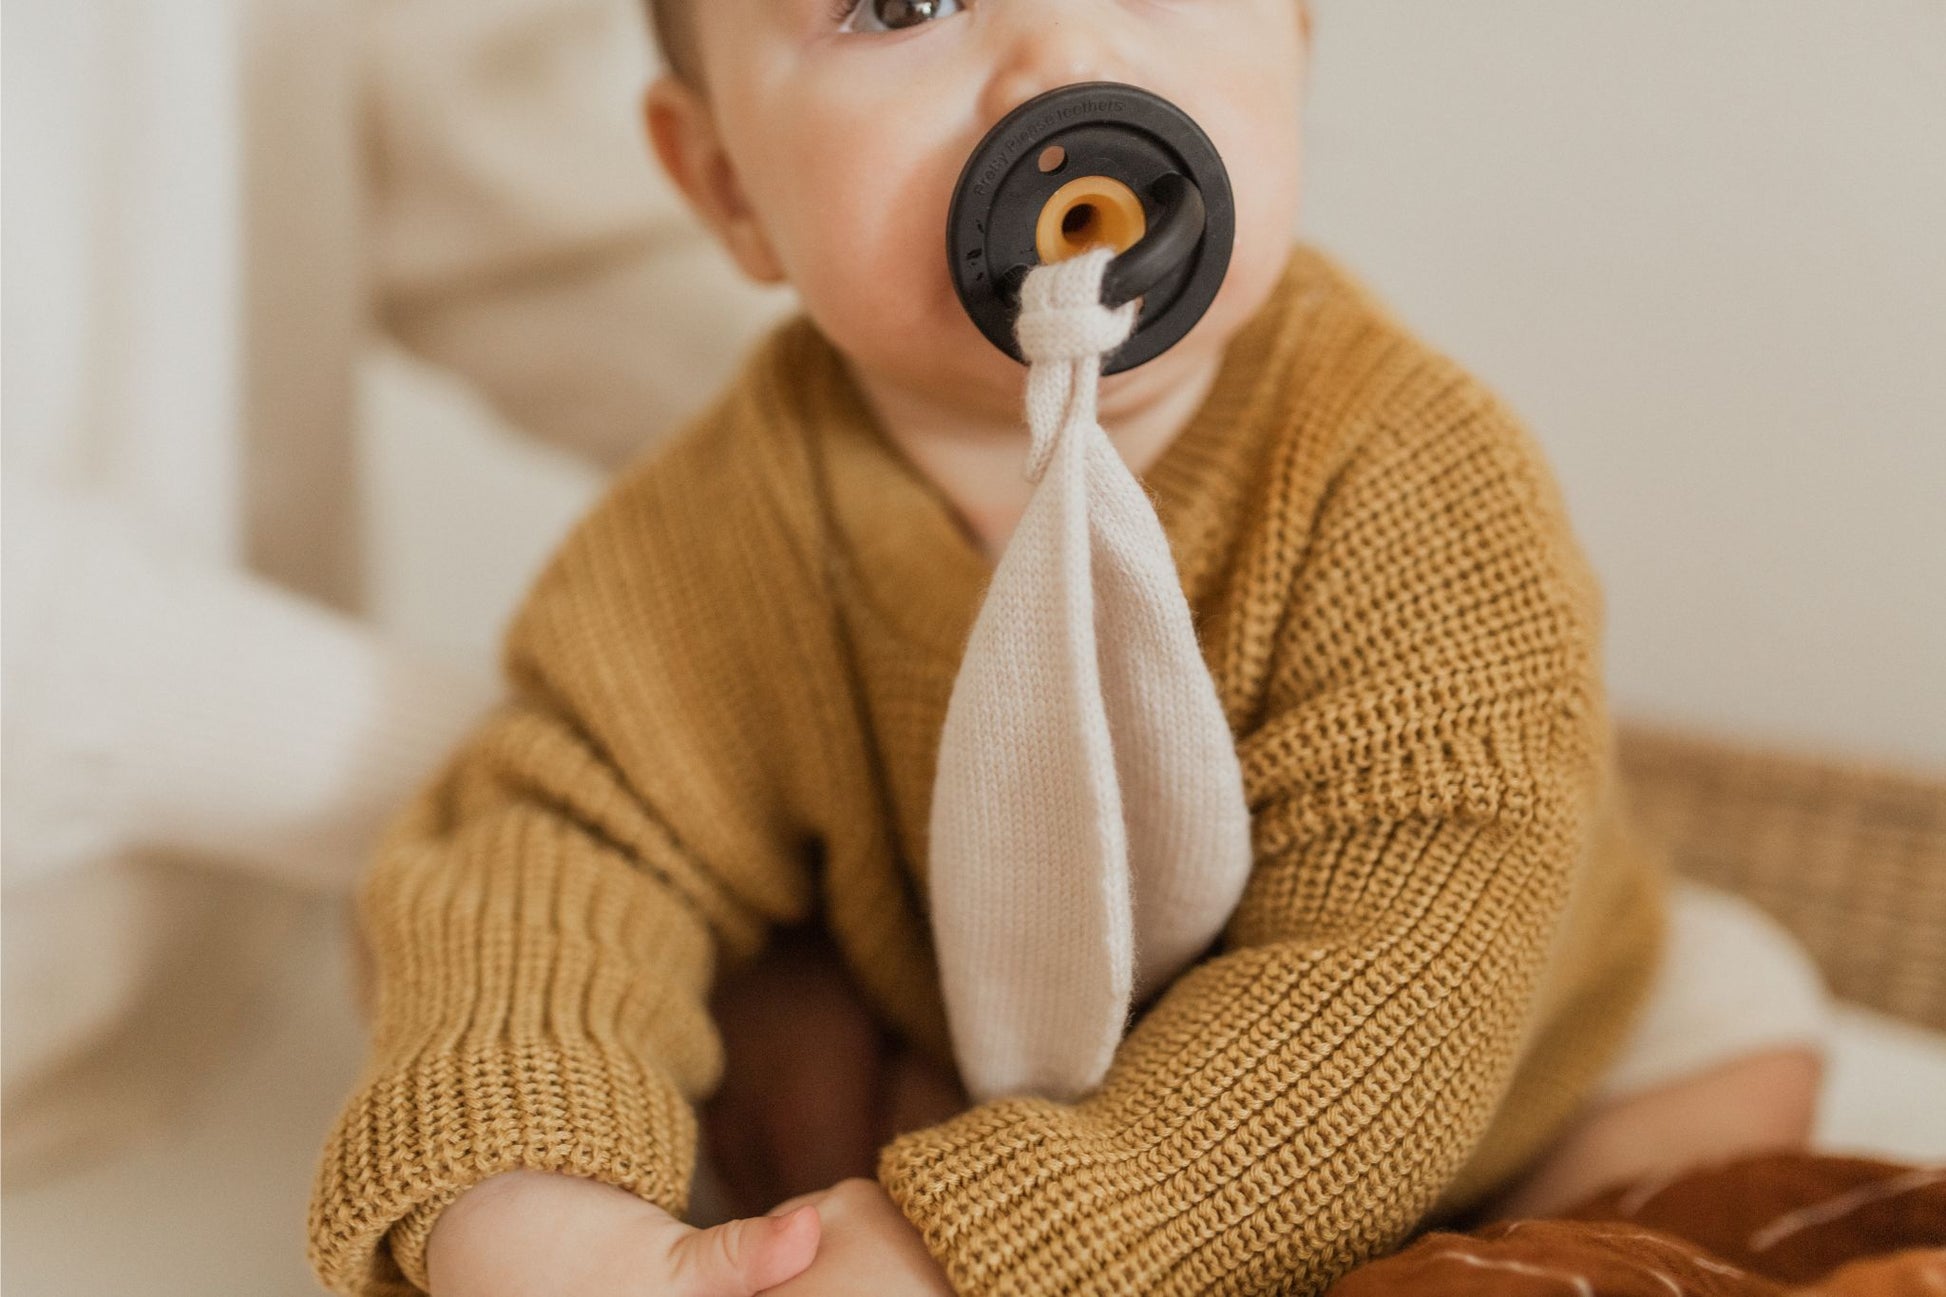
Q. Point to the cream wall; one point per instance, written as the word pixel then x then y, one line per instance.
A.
pixel 1701 246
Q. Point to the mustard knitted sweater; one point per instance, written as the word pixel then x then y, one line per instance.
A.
pixel 728 688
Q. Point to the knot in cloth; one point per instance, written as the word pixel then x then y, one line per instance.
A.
pixel 1064 331
pixel 1089 833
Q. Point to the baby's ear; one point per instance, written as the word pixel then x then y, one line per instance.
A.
pixel 682 131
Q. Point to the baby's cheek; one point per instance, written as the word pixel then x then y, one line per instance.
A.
pixel 1261 137
pixel 1266 176
pixel 868 257
pixel 867 300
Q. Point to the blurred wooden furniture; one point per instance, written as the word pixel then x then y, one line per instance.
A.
pixel 1850 856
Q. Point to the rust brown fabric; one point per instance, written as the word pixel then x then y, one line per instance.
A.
pixel 1785 1223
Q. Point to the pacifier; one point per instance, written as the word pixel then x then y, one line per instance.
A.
pixel 1085 164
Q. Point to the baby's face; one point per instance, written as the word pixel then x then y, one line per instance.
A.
pixel 846 124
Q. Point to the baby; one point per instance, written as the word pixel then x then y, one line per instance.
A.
pixel 686 863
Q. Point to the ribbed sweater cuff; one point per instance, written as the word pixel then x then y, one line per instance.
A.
pixel 926 1172
pixel 411 1142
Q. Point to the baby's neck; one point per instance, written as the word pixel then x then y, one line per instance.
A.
pixel 976 458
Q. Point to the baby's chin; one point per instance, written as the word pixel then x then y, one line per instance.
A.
pixel 950 367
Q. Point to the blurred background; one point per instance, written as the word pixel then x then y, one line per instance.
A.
pixel 324 319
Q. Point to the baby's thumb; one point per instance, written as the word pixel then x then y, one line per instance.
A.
pixel 741 1258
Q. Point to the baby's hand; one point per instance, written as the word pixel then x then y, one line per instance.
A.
pixel 867 1246
pixel 526 1232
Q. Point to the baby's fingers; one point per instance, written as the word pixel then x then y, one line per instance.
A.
pixel 790 1205
pixel 741 1258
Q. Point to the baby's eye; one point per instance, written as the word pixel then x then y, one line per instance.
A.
pixel 892 15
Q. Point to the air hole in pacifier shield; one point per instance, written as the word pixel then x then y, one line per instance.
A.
pixel 1085 165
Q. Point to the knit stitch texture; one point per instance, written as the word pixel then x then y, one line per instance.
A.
pixel 728 693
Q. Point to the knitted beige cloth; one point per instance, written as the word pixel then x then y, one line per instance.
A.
pixel 1089 829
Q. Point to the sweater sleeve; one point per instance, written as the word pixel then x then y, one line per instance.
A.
pixel 542 925
pixel 1420 785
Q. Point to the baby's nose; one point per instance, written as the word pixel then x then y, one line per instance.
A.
pixel 1047 46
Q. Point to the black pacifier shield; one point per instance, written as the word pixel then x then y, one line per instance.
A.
pixel 1104 128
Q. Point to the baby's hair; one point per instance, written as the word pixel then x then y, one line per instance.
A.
pixel 675 32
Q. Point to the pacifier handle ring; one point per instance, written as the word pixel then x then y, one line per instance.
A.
pixel 1165 246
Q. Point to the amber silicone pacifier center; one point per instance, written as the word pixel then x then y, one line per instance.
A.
pixel 1084 165
pixel 1087 211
